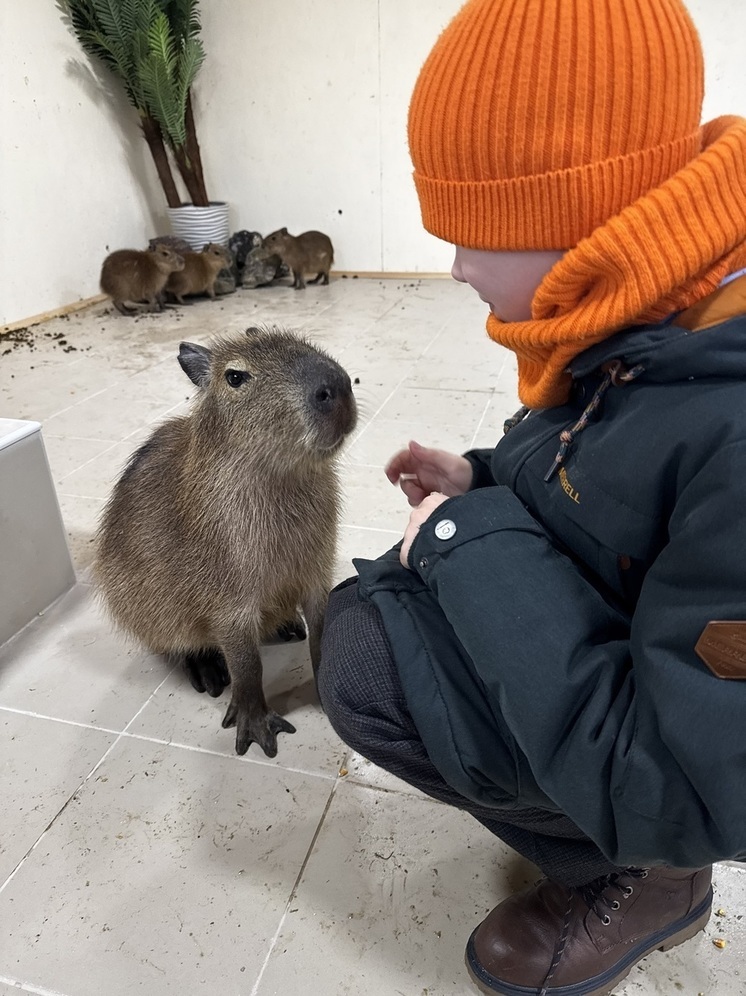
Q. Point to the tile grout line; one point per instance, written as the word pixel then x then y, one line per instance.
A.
pixel 67 494
pixel 68 408
pixel 81 439
pixel 89 461
pixel 230 757
pixel 481 420
pixel 162 743
pixel 114 443
pixel 369 529
pixel 59 719
pixel 90 774
pixel 28 987
pixel 293 891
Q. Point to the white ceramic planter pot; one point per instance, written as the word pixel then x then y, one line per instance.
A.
pixel 200 225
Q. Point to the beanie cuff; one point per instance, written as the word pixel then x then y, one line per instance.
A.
pixel 550 210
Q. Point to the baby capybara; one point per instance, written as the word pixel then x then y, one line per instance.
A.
pixel 310 252
pixel 224 522
pixel 199 273
pixel 132 276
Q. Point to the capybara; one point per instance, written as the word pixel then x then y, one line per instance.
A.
pixel 199 273
pixel 311 252
pixel 224 522
pixel 132 276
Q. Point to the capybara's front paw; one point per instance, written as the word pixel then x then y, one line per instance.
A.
pixel 207 671
pixel 252 727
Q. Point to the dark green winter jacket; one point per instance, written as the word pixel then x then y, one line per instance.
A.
pixel 546 644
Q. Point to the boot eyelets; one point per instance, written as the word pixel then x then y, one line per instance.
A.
pixel 606 920
pixel 644 873
pixel 616 904
pixel 627 891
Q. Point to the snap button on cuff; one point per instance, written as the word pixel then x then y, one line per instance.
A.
pixel 423 563
pixel 445 529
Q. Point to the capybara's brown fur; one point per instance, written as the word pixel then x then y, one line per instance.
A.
pixel 224 522
pixel 131 276
pixel 200 272
pixel 310 252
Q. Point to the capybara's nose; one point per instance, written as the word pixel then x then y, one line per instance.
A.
pixel 332 388
pixel 324 398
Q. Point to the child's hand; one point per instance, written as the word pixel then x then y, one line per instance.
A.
pixel 420 471
pixel 416 518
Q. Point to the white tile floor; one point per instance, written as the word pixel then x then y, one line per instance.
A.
pixel 138 854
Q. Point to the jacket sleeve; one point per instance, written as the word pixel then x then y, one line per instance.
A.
pixel 481 465
pixel 622 725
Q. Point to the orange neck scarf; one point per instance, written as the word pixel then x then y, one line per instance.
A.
pixel 664 252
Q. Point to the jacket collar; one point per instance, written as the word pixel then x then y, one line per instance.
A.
pixel 706 340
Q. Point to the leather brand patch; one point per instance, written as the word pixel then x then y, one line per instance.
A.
pixel 722 646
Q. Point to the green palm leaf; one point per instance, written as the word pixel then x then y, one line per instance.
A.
pixel 159 74
pixel 191 58
pixel 153 47
pixel 162 45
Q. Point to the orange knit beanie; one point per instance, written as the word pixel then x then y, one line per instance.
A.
pixel 534 121
pixel 575 125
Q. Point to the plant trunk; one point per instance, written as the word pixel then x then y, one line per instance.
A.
pixel 154 137
pixel 192 147
pixel 197 193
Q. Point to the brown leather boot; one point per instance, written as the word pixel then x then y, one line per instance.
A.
pixel 551 940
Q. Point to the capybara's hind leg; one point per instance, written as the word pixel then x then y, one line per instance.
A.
pixel 316 278
pixel 207 671
pixel 325 281
pixel 123 309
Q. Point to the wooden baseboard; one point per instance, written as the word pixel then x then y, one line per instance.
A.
pixel 46 316
pixel 388 275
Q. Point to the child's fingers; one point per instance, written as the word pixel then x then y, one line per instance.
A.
pixel 400 463
pixel 412 489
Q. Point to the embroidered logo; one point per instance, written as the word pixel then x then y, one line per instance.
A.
pixel 567 487
pixel 722 646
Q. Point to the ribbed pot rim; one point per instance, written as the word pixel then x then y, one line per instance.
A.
pixel 195 207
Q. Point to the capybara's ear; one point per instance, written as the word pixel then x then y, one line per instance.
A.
pixel 195 362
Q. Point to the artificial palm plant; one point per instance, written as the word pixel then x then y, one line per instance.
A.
pixel 153 47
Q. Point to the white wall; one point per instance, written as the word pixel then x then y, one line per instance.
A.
pixel 74 172
pixel 304 121
pixel 301 113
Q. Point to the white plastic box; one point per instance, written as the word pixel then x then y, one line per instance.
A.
pixel 35 564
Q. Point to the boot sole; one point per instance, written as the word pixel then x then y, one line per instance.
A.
pixel 600 985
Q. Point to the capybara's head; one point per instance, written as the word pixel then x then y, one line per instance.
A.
pixel 272 393
pixel 166 259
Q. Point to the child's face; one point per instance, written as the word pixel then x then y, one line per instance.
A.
pixel 506 281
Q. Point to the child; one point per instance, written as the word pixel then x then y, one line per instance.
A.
pixel 556 645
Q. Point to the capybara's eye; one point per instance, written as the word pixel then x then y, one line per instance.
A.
pixel 237 377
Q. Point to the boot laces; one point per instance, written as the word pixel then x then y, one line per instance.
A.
pixel 599 895
pixel 596 897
